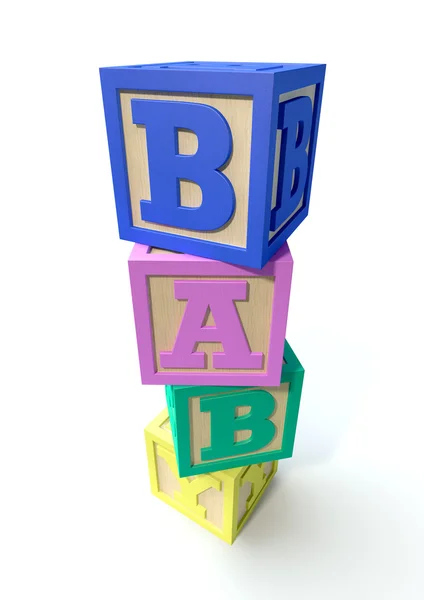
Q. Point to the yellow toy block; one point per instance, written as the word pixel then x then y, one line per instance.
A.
pixel 221 501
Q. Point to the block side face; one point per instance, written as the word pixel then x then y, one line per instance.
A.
pixel 295 118
pixel 291 209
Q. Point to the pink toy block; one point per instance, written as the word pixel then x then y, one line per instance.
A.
pixel 203 322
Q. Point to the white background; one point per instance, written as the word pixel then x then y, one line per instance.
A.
pixel 344 519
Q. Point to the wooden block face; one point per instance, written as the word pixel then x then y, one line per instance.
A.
pixel 204 497
pixel 213 159
pixel 204 322
pixel 310 92
pixel 250 486
pixel 218 428
pixel 220 502
pixel 237 111
pixel 200 423
pixel 254 313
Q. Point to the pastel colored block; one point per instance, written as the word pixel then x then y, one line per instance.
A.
pixel 218 428
pixel 203 322
pixel 212 159
pixel 221 502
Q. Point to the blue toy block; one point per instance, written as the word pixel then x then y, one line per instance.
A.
pixel 212 159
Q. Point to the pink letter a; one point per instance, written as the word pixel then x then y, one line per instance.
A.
pixel 219 296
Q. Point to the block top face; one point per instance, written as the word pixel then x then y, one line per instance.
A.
pixel 212 159
pixel 219 66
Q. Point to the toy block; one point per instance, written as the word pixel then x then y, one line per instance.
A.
pixel 218 428
pixel 203 322
pixel 221 502
pixel 212 159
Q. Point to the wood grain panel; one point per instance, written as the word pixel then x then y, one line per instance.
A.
pixel 200 423
pixel 237 110
pixel 255 314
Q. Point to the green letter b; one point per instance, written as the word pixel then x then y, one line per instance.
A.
pixel 224 423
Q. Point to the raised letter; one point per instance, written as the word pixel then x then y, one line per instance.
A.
pixel 224 423
pixel 166 166
pixel 219 296
pixel 295 120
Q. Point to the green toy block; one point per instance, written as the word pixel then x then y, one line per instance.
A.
pixel 216 428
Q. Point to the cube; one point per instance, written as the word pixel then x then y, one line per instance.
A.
pixel 203 322
pixel 212 159
pixel 221 502
pixel 218 428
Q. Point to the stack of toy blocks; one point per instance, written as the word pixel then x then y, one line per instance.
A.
pixel 212 168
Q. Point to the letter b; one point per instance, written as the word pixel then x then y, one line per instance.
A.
pixel 224 423
pixel 162 120
pixel 295 121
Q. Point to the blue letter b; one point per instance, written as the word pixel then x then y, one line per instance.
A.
pixel 162 120
pixel 295 121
